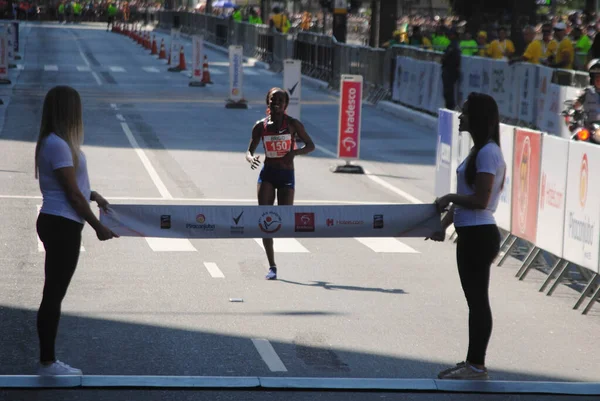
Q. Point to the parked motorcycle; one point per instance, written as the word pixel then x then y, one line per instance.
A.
pixel 580 127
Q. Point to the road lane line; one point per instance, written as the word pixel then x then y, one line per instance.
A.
pixel 268 354
pixel 285 245
pixel 151 171
pixel 214 270
pixel 50 67
pixel 376 179
pixel 120 117
pixel 170 244
pixel 385 245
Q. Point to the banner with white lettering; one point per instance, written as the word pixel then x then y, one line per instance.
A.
pixel 503 213
pixel 485 74
pixel 292 82
pixel 413 89
pixel 501 85
pixel 422 81
pixel 544 82
pixel 463 81
pixel 553 186
pixel 197 57
pixel 582 209
pixel 326 221
pixel 236 73
pixel 174 51
pixel 349 123
pixel 436 89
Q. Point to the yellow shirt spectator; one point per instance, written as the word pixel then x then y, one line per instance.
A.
pixel 483 50
pixel 566 45
pixel 498 49
pixel 538 50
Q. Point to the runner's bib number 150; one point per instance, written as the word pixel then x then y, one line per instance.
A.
pixel 277 146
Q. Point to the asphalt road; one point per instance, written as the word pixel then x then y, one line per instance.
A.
pixel 341 307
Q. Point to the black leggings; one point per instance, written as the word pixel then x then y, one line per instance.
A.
pixel 477 247
pixel 62 240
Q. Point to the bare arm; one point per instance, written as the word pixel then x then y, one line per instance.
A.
pixel 66 177
pixel 484 183
pixel 256 134
pixel 309 145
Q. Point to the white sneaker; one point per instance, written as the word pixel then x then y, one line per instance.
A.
pixel 58 368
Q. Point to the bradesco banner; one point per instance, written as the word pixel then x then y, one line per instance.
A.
pixel 503 213
pixel 292 82
pixel 236 73
pixel 332 221
pixel 197 55
pixel 553 186
pixel 350 117
pixel 174 52
pixel 526 175
pixel 582 210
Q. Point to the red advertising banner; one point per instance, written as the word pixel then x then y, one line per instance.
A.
pixel 350 117
pixel 525 184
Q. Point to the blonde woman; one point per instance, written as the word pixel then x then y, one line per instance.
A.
pixel 61 168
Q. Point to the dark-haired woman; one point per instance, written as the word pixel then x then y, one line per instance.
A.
pixel 480 180
pixel 278 133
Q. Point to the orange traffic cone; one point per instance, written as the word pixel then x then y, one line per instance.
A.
pixel 205 71
pixel 162 55
pixel 154 50
pixel 181 66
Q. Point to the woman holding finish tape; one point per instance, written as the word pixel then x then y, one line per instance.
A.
pixel 61 168
pixel 278 132
pixel 479 184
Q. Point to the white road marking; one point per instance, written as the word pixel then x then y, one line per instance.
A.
pixel 82 68
pixel 151 69
pixel 386 245
pixel 97 78
pixel 214 270
pixel 214 71
pixel 170 244
pixel 285 245
pixel 250 72
pixel 39 242
pixel 20 67
pixel 50 67
pixel 151 171
pixel 377 180
pixel 116 69
pixel 268 354
pixel 120 117
pixel 114 106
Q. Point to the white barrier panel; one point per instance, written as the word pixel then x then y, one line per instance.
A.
pixel 11 44
pixel 436 89
pixel 503 213
pixel 526 81
pixel 582 210
pixel 445 166
pixel 236 73
pixel 552 108
pixel 553 187
pixel 292 83
pixel 544 82
pixel 422 83
pixel 16 36
pixel 413 89
pixel 525 176
pixel 197 57
pixel 401 79
pixel 186 221
pixel 501 85
pixel 475 76
pixel 3 56
pixel 565 93
pixel 174 52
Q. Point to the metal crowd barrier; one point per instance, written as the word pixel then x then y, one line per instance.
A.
pixel 322 56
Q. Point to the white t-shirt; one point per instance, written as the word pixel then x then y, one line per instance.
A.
pixel 54 154
pixel 489 160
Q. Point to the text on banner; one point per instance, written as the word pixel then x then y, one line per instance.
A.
pixel 350 117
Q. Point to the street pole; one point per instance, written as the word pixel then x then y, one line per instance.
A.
pixel 340 20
